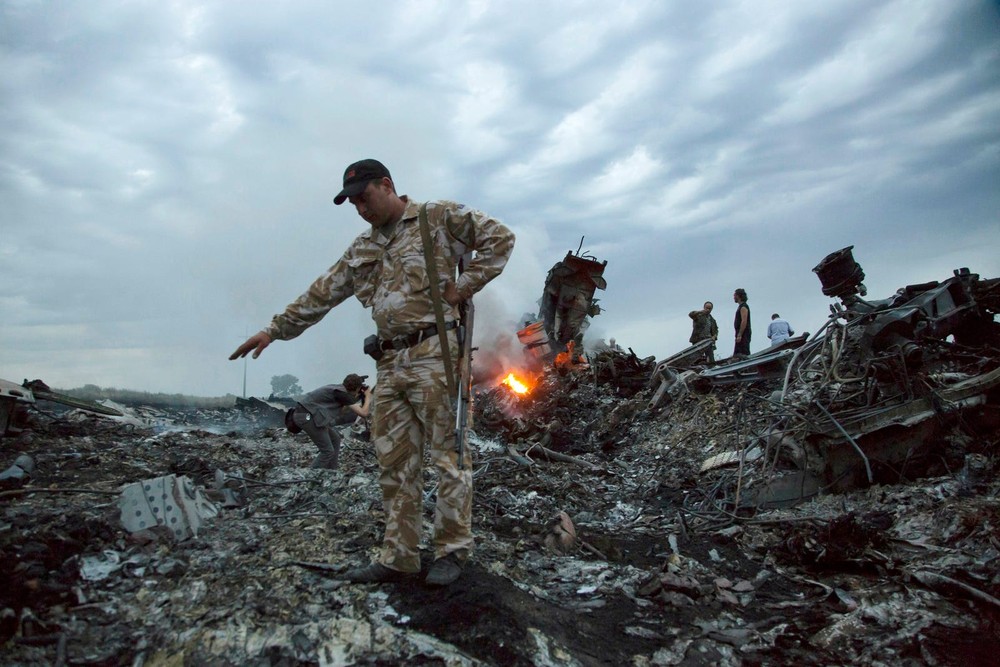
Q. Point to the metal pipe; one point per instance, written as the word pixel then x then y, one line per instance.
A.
pixel 798 351
pixel 857 448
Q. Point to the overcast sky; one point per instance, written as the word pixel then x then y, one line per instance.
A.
pixel 167 169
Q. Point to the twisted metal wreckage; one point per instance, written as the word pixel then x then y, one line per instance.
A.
pixel 884 390
pixel 13 396
pixel 564 309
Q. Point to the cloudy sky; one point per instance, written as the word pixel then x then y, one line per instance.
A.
pixel 167 167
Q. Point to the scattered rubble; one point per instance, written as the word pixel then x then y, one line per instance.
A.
pixel 732 524
pixel 16 398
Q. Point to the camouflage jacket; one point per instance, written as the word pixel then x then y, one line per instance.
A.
pixel 388 273
pixel 704 326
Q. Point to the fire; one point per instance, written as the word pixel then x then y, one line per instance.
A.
pixel 516 385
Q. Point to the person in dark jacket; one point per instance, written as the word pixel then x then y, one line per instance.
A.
pixel 322 410
pixel 703 327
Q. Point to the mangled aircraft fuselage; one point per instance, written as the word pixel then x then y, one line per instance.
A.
pixel 564 310
pixel 876 390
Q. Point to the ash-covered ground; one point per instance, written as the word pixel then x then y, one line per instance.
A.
pixel 600 542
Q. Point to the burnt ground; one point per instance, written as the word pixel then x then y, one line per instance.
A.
pixel 662 571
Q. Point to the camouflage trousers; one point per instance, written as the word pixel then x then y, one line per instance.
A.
pixel 412 407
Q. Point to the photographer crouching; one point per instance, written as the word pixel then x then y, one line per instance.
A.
pixel 322 410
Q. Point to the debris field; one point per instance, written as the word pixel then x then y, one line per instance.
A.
pixel 834 502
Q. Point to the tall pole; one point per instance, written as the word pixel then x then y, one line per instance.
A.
pixel 246 335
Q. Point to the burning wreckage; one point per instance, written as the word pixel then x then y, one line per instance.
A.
pixel 864 400
pixel 867 399
pixel 564 309
pixel 605 534
pixel 888 392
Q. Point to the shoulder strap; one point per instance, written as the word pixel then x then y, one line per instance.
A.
pixel 433 276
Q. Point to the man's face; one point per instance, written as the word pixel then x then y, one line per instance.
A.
pixel 708 306
pixel 736 297
pixel 375 203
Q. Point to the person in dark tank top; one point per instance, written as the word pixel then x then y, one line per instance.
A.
pixel 741 323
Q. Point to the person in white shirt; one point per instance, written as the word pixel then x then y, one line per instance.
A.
pixel 779 330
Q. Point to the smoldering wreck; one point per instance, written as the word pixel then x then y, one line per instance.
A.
pixel 831 500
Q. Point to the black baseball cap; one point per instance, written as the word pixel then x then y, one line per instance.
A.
pixel 357 176
pixel 354 382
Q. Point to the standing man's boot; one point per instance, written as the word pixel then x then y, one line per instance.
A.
pixel 446 570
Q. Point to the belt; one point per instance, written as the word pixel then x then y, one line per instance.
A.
pixel 411 339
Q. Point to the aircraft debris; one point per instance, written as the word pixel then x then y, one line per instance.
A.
pixel 19 473
pixel 704 530
pixel 170 501
pixel 565 308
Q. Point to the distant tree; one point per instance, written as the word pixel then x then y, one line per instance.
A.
pixel 285 385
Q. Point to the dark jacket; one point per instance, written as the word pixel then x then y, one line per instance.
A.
pixel 328 405
pixel 704 326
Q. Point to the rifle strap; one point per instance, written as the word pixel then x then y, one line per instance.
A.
pixel 433 277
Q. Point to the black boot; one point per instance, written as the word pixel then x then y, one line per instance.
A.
pixel 373 573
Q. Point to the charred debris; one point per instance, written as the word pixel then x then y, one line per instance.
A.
pixel 833 500
pixel 871 398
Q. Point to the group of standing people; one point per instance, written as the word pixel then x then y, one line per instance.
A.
pixel 704 327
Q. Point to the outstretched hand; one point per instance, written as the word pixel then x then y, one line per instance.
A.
pixel 256 342
pixel 451 294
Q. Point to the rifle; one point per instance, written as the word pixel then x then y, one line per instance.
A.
pixel 463 397
pixel 463 391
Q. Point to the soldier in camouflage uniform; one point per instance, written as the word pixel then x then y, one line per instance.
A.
pixel 704 326
pixel 385 269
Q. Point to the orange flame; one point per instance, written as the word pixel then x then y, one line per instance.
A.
pixel 516 385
